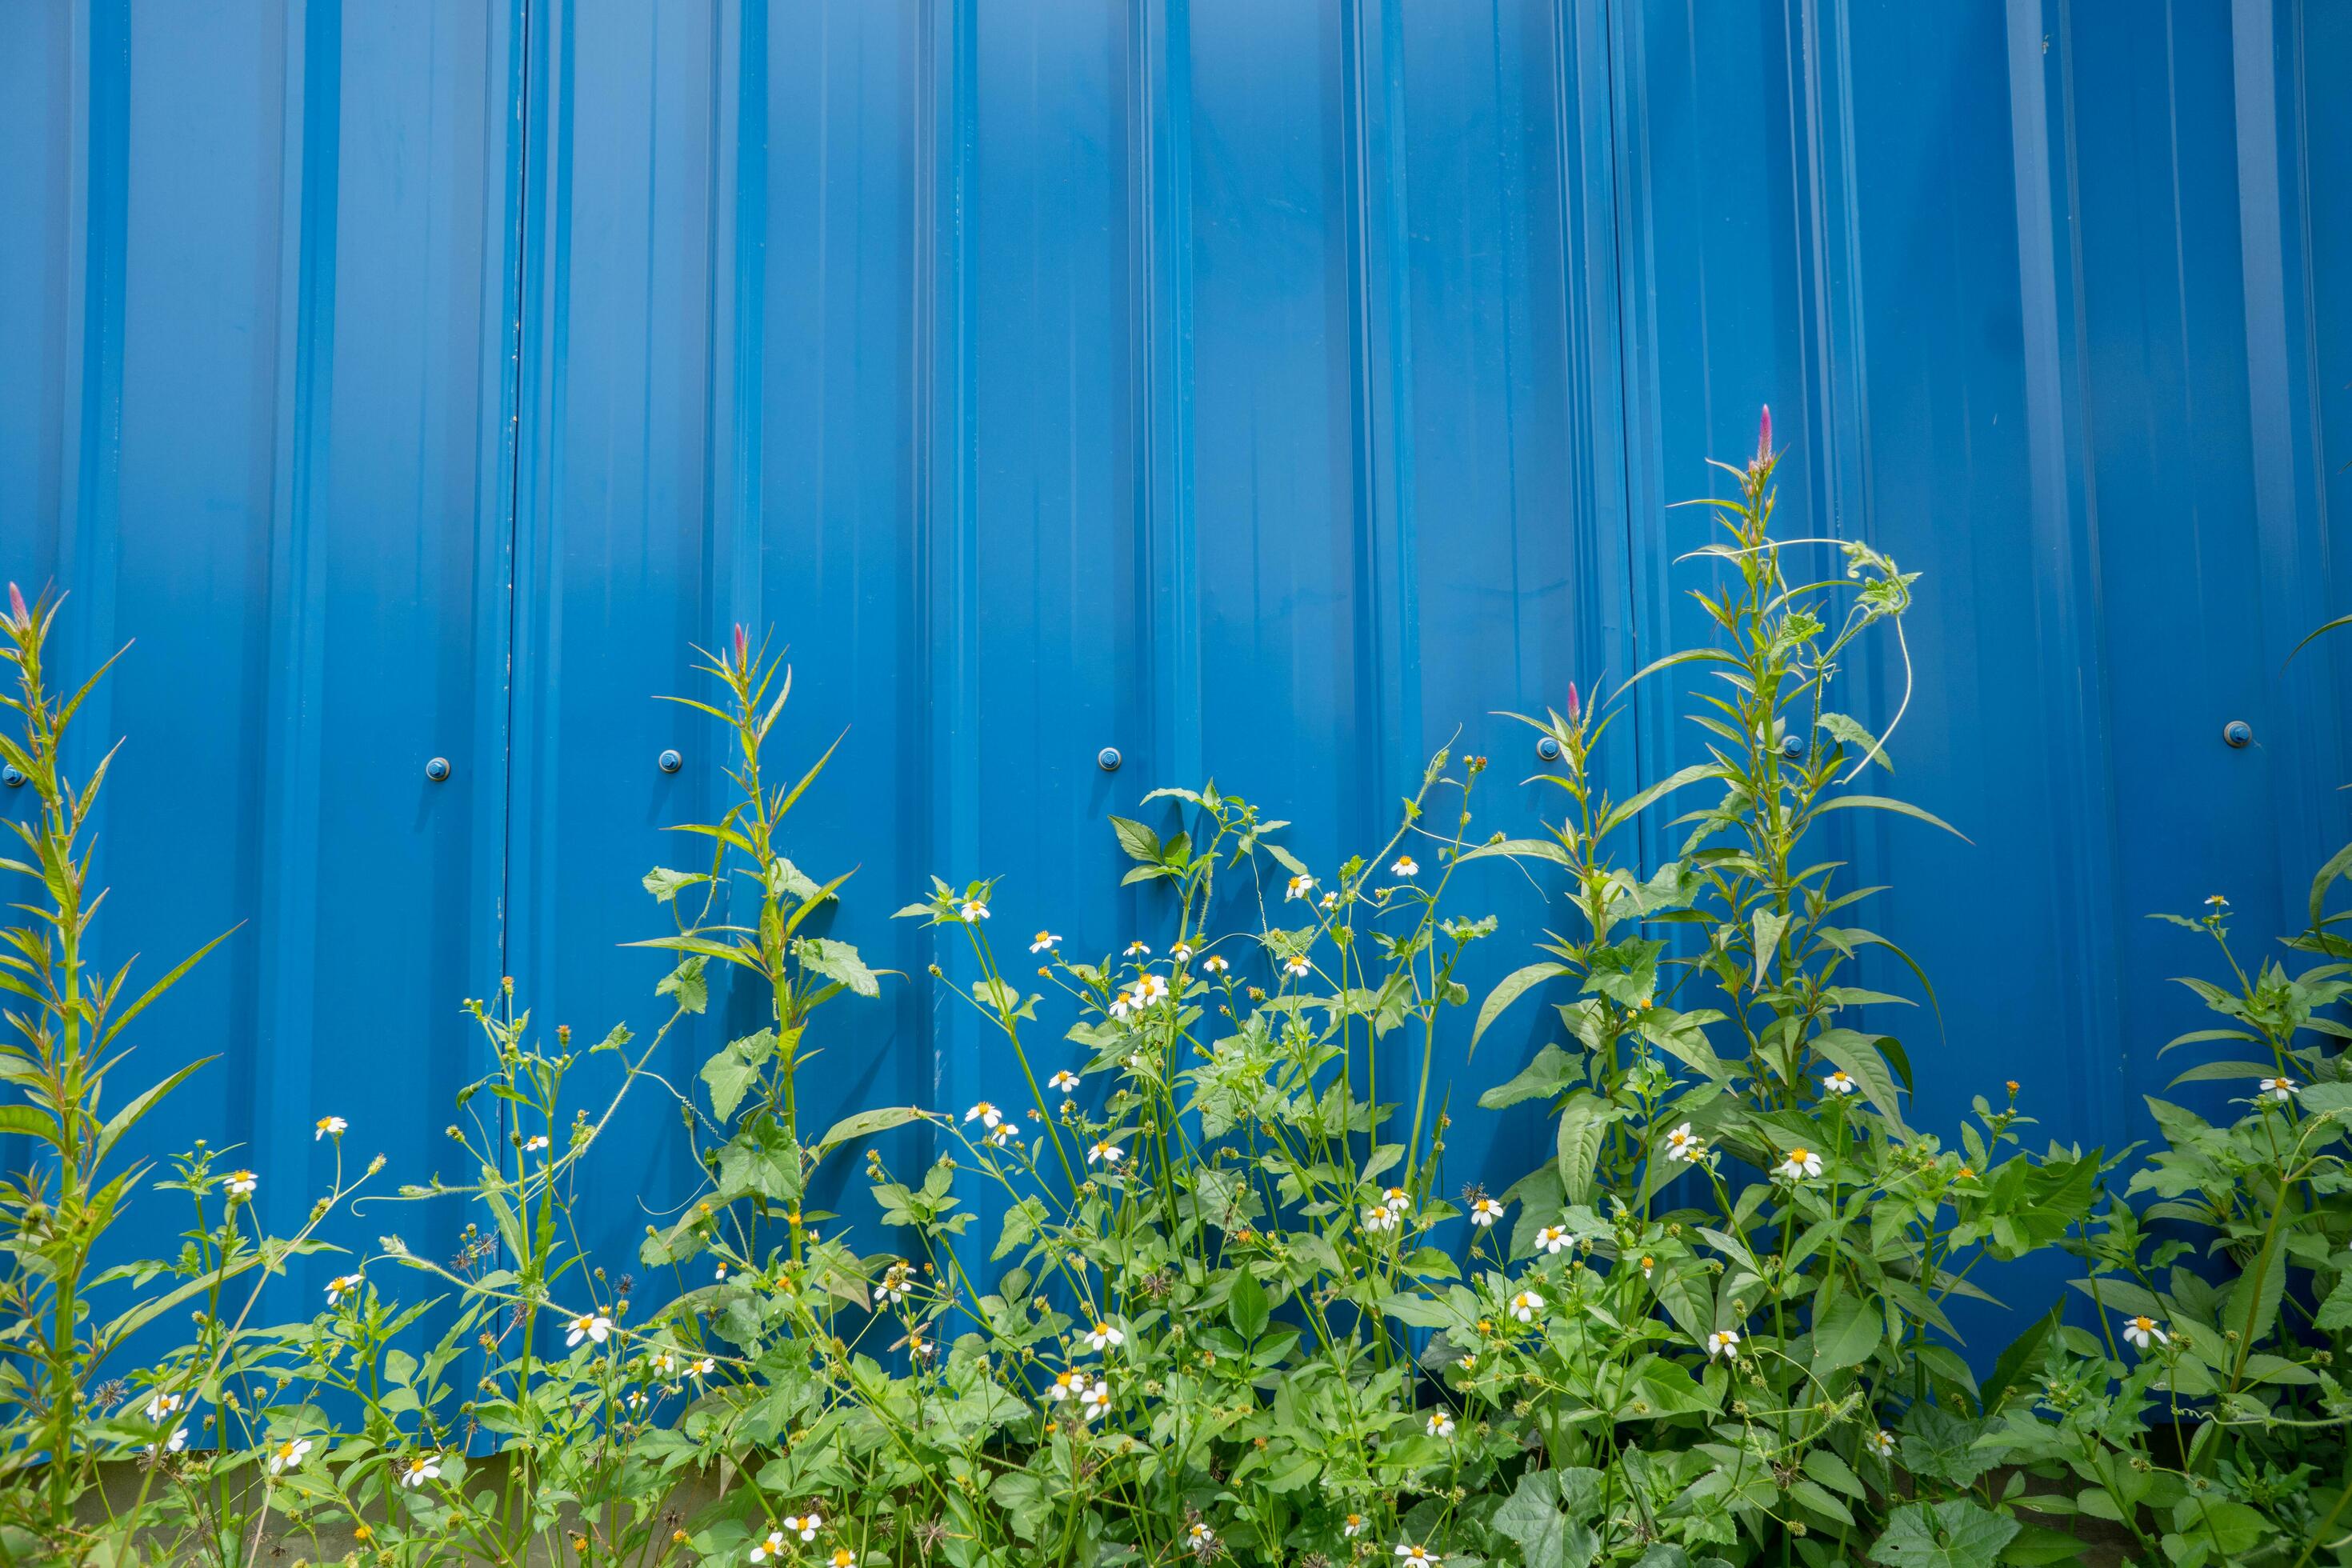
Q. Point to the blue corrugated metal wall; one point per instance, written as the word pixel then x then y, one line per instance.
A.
pixel 1263 390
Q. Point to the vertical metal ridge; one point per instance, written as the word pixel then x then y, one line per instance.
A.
pixel 2279 375
pixel 943 517
pixel 1388 631
pixel 2081 774
pixel 748 340
pixel 292 740
pixel 1160 325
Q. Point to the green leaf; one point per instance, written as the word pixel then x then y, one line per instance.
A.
pixel 666 884
pixel 1533 1518
pixel 1858 1054
pixel 1880 802
pixel 686 983
pixel 1584 1122
pixel 1954 1534
pixel 866 1123
pixel 836 960
pixel 1508 990
pixel 1849 1334
pixel 1942 1445
pixel 1140 842
pixel 1247 1308
pixel 1551 1071
pixel 731 1072
pixel 1769 928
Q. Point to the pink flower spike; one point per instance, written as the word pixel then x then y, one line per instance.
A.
pixel 1764 438
pixel 1573 709
pixel 742 644
pixel 17 604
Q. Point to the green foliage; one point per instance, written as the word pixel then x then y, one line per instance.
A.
pixel 1198 1285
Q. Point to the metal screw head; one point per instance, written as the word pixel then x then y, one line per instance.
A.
pixel 2237 732
pixel 1548 749
pixel 1793 747
pixel 669 761
pixel 13 776
pixel 437 770
pixel 1108 759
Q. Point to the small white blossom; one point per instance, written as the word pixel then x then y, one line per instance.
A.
pixel 1839 1083
pixel 1396 1200
pixel 1684 1145
pixel 1045 939
pixel 1296 965
pixel 986 1114
pixel 1065 1080
pixel 1441 1424
pixel 1198 1536
pixel 1181 952
pixel 805 1525
pixel 1106 1336
pixel 2143 1332
pixel 772 1547
pixel 1300 886
pixel 1417 1556
pixel 973 912
pixel 1525 1305
pixel 1406 866
pixel 1881 1443
pixel 1649 1265
pixel 1378 1217
pixel 1484 1212
pixel 537 1142
pixel 165 1404
pixel 419 1469
pixel 593 1326
pixel 1094 1399
pixel 284 1456
pixel 1105 1153
pixel 176 1443
pixel 1355 1524
pixel 1138 950
pixel 702 1368
pixel 1799 1165
pixel 1554 1238
pixel 2279 1088
pixel 330 1127
pixel 1722 1343
pixel 1330 900
pixel 342 1285
pixel 1216 964
pixel 242 1182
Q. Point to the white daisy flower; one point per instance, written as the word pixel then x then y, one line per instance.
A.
pixel 1355 1525
pixel 1406 866
pixel 805 1525
pixel 1417 1556
pixel 1045 939
pixel 702 1368
pixel 165 1404
pixel 591 1326
pixel 284 1456
pixel 1094 1399
pixel 1296 965
pixel 662 1364
pixel 1799 1165
pixel 1484 1212
pixel 176 1443
pixel 1554 1238
pixel 1722 1343
pixel 1330 900
pixel 1684 1145
pixel 242 1182
pixel 1216 964
pixel 2143 1332
pixel 1881 1443
pixel 330 1126
pixel 2217 903
pixel 1441 1424
pixel 1106 1336
pixel 895 1282
pixel 843 1557
pixel 1065 1384
pixel 1138 950
pixel 973 912
pixel 342 1285
pixel 419 1469
pixel 1396 1200
pixel 1105 1153
pixel 1380 1218
pixel 773 1547
pixel 537 1142
pixel 917 1345
pixel 986 1114
pixel 1839 1083
pixel 2279 1088
pixel 1300 886
pixel 1181 952
pixel 1200 1536
pixel 1065 1080
pixel 1525 1305
pixel 1648 1265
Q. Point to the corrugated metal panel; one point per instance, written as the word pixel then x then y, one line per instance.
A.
pixel 1263 390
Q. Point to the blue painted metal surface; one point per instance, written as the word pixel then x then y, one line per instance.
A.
pixel 1263 390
